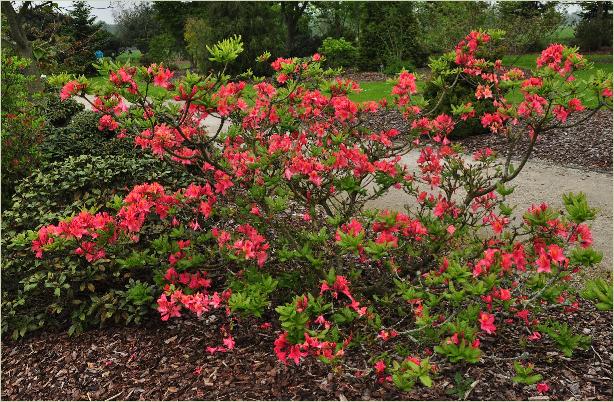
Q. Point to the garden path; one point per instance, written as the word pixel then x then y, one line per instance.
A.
pixel 540 182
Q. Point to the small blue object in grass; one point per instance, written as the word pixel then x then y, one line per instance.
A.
pixel 99 54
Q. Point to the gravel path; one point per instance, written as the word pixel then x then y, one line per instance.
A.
pixel 542 181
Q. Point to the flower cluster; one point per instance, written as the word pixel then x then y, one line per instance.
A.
pixel 284 350
pixel 71 88
pixel 80 227
pixel 250 246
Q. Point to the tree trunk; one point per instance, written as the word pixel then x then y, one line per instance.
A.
pixel 292 13
pixel 21 45
pixel 290 37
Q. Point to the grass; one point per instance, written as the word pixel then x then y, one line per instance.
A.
pixel 133 57
pixel 153 90
pixel 527 61
pixel 373 90
pixel 376 90
pixel 601 61
pixel 564 35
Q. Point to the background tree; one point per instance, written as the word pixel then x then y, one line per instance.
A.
pixel 527 23
pixel 443 22
pixel 292 12
pixel 258 23
pixel 53 39
pixel 137 25
pixel 172 16
pixel 85 36
pixel 198 34
pixel 336 19
pixel 389 36
pixel 17 38
pixel 594 30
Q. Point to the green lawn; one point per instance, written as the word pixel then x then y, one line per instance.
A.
pixel 376 90
pixel 373 90
pixel 528 61
pixel 564 35
pixel 153 90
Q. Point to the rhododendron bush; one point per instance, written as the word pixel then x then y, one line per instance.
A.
pixel 277 223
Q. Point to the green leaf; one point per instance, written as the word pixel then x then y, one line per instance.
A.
pixel 226 50
pixel 426 380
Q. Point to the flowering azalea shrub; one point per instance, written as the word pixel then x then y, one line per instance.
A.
pixel 278 218
pixel 451 84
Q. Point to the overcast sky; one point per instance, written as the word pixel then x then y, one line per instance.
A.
pixel 103 9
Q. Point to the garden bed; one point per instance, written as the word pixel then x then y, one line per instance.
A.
pixel 587 146
pixel 168 361
pixel 405 305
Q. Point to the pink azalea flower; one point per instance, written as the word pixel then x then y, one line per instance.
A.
pixel 543 263
pixel 542 388
pixel 487 323
pixel 229 343
pixel 380 366
pixel 168 309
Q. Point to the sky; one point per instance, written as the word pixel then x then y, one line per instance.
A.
pixel 103 9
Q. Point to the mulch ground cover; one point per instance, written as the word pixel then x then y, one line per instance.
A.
pixel 587 146
pixel 168 361
pixel 365 76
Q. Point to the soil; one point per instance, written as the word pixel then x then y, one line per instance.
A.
pixel 168 361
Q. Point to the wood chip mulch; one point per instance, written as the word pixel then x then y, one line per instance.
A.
pixel 586 146
pixel 168 361
pixel 365 76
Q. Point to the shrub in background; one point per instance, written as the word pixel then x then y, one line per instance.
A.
pixel 22 129
pixel 57 112
pixel 162 49
pixel 594 31
pixel 339 52
pixel 450 85
pixel 82 137
pixel 393 65
pixel 35 294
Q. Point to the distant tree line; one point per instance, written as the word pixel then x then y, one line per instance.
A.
pixel 363 35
